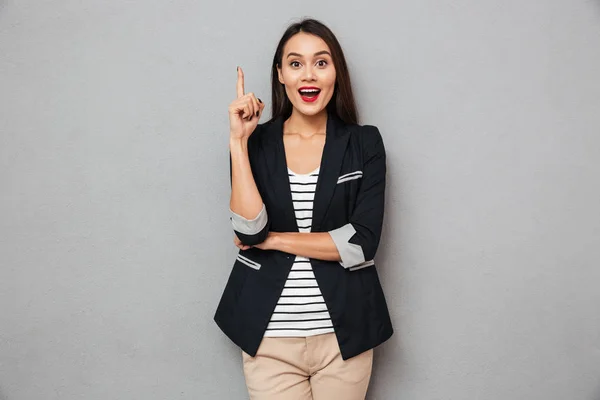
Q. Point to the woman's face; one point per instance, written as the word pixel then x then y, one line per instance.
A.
pixel 306 63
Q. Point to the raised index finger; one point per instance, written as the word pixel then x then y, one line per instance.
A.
pixel 240 82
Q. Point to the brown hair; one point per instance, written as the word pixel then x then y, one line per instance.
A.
pixel 342 103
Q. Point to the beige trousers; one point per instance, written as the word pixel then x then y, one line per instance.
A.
pixel 306 368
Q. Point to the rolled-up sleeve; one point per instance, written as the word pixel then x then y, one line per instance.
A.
pixel 251 231
pixel 358 240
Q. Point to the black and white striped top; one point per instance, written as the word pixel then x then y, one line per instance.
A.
pixel 301 310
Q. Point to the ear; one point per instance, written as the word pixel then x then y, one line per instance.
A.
pixel 279 74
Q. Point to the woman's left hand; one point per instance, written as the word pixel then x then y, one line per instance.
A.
pixel 238 243
pixel 268 244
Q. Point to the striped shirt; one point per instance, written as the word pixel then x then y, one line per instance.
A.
pixel 301 309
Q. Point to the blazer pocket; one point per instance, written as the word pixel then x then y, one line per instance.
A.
pixel 350 176
pixel 248 262
pixel 365 264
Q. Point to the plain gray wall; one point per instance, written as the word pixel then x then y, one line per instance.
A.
pixel 115 238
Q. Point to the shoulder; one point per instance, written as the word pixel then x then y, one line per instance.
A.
pixel 368 137
pixel 368 132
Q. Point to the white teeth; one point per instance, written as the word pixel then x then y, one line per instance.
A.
pixel 309 90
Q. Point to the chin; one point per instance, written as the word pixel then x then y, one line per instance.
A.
pixel 310 111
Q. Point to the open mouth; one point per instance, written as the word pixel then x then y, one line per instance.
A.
pixel 309 94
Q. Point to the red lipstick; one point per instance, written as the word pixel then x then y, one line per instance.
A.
pixel 309 94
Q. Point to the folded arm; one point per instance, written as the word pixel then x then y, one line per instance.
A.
pixel 317 245
pixel 353 245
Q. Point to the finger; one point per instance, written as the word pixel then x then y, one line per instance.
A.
pixel 240 82
pixel 240 109
pixel 256 105
pixel 239 106
pixel 252 106
pixel 246 113
pixel 241 246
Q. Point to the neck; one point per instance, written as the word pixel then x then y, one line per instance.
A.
pixel 306 125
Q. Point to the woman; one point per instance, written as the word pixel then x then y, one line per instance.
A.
pixel 303 300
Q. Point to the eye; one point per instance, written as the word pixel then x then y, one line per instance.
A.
pixel 324 63
pixel 294 62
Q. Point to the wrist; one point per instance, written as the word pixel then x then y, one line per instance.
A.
pixel 238 143
pixel 276 239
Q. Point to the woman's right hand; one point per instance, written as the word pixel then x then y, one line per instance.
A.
pixel 244 111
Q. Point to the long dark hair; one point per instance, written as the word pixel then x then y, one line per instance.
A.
pixel 342 103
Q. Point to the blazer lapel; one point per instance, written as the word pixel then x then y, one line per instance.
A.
pixel 280 178
pixel 336 141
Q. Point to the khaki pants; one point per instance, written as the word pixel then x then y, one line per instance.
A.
pixel 306 368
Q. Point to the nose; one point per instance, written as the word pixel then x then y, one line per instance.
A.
pixel 308 74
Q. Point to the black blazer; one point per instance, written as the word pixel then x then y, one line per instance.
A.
pixel 348 203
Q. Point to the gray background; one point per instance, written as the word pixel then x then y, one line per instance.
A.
pixel 115 239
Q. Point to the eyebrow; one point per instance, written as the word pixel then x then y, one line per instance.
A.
pixel 318 53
